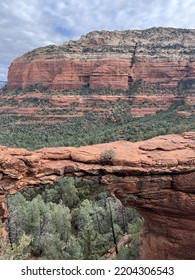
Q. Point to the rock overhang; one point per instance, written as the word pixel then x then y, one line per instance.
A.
pixel 156 177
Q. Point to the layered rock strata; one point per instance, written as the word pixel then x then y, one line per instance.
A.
pixel 156 177
pixel 111 59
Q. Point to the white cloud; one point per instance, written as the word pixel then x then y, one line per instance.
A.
pixel 25 24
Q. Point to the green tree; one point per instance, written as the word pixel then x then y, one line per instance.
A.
pixel 49 224
pixel 17 207
pixel 69 193
pixel 14 251
pixel 86 232
pixel 88 240
pixel 53 248
pixel 73 250
pixel 134 230
pixel 38 225
pixel 112 226
pixel 61 220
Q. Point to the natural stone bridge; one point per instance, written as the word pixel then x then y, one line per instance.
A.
pixel 156 177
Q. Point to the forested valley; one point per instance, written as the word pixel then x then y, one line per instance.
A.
pixel 75 218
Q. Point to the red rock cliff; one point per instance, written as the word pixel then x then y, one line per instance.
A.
pixel 156 177
pixel 112 59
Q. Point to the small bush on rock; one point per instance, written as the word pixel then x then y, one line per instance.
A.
pixel 107 156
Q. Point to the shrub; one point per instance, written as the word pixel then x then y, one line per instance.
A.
pixel 107 156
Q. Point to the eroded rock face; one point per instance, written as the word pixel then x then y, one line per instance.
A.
pixel 156 177
pixel 111 59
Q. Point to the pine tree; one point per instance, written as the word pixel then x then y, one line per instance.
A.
pixel 86 232
pixel 61 220
pixel 69 193
pixel 73 250
pixel 14 251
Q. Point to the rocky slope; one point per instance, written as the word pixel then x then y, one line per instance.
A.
pixel 155 68
pixel 156 177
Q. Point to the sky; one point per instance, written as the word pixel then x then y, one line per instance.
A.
pixel 25 25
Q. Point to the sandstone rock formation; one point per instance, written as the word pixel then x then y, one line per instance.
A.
pixel 156 177
pixel 112 59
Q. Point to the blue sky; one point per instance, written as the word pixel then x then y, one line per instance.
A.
pixel 25 25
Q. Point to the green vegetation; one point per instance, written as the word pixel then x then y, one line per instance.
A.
pixel 59 223
pixel 91 128
pixel 75 219
pixel 19 250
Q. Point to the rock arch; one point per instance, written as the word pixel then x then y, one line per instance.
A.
pixel 156 177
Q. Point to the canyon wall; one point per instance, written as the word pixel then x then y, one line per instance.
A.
pixel 110 59
pixel 156 177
